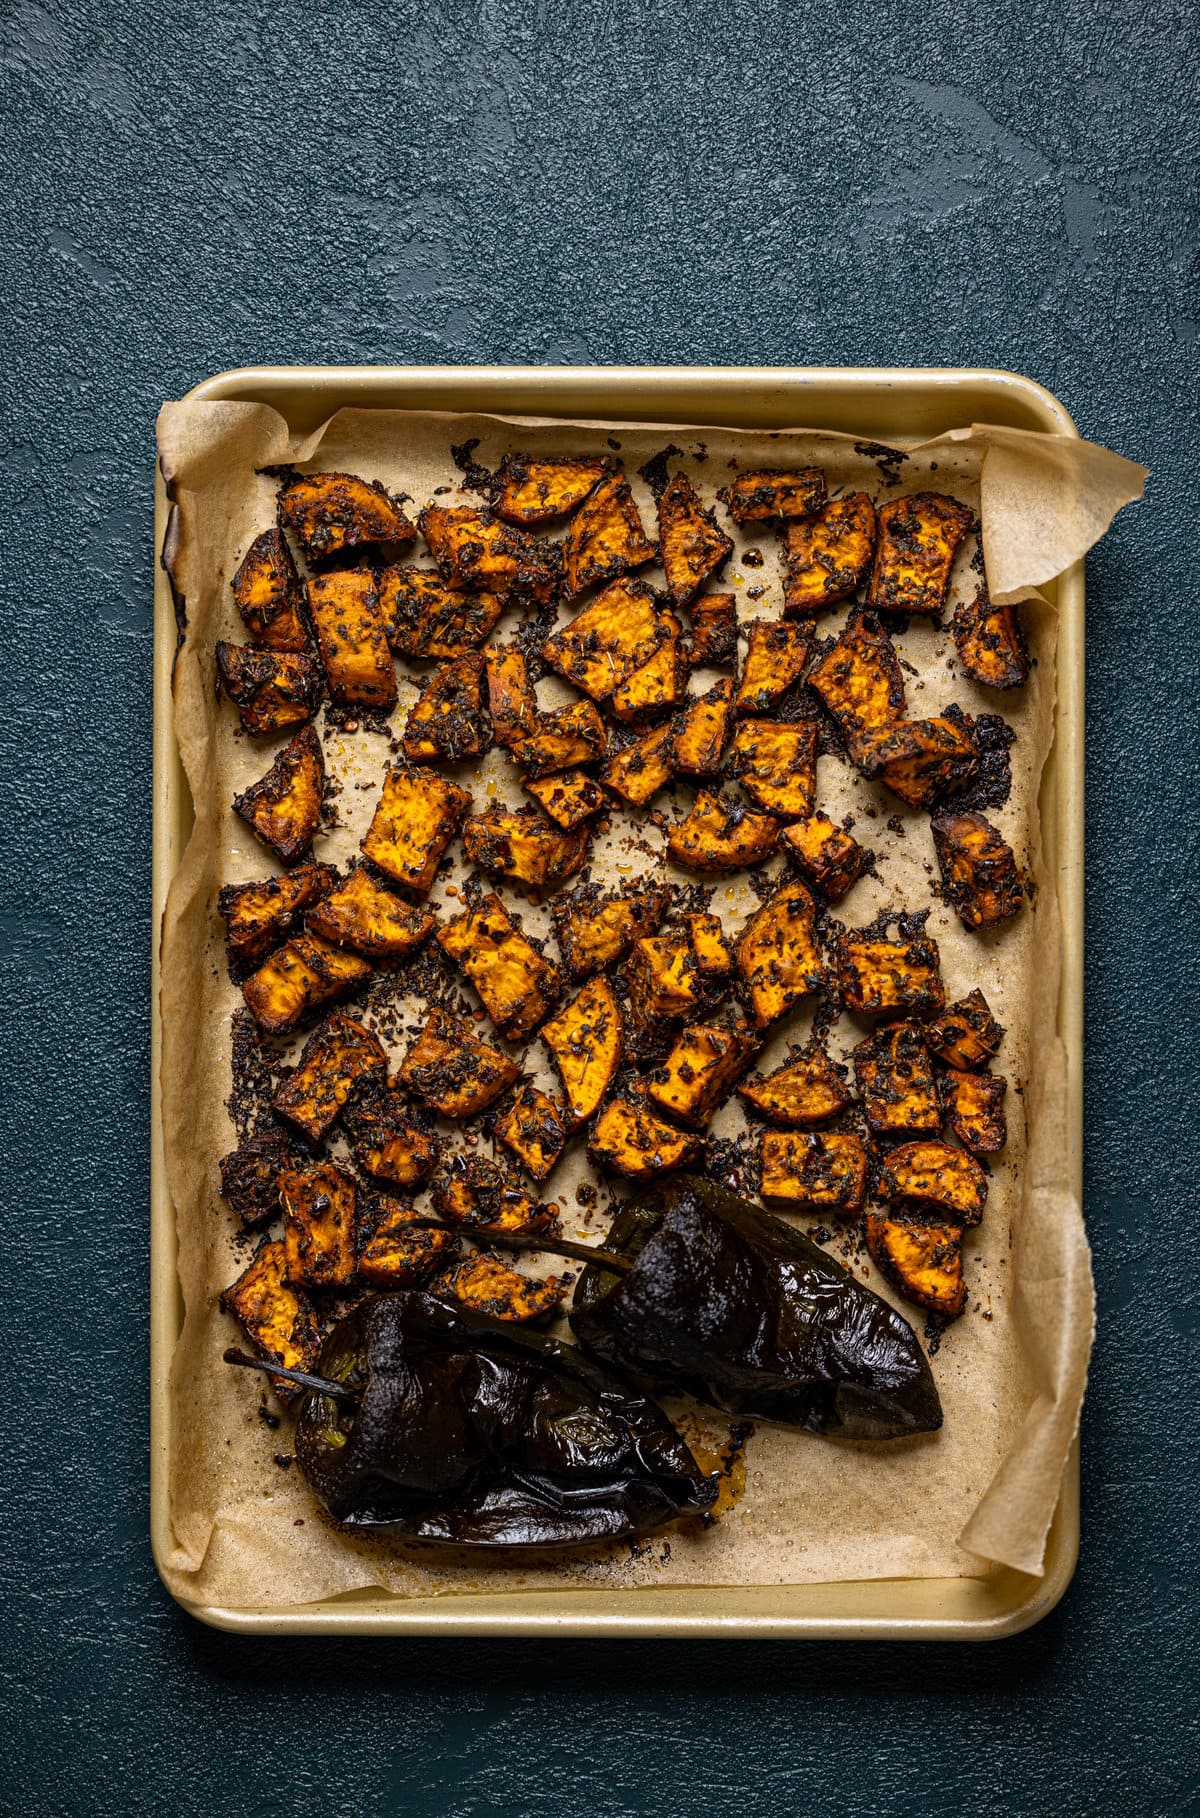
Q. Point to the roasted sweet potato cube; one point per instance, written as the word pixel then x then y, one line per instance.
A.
pixel 806 1091
pixel 827 555
pixel 914 552
pixel 659 685
pixel 268 594
pixel 722 836
pixel 560 740
pixel 827 855
pixel 425 619
pixel 813 1170
pixel 475 550
pixel 859 680
pixel 990 645
pixel 473 1192
pixel 980 878
pixel 569 799
pixel 299 978
pixel 329 513
pixel 284 807
pixel 922 1262
pixel 776 652
pixel 516 984
pixel 348 619
pixel 974 1105
pixel 933 1174
pixel 966 1033
pixel 512 701
pixel 771 493
pixel 775 761
pixel 399 1253
pixel 250 1175
pixel 452 1070
pixel 664 978
pixel 277 1318
pixel 446 723
pixel 878 974
pixel 639 770
pixel 320 1226
pixel 631 1140
pixel 260 915
pixel 418 815
pixel 530 1124
pixel 594 929
pixel 523 845
pixel 921 760
pixel 703 731
pixel 492 1288
pixel 338 1058
pixel 360 914
pixel 385 1141
pixel 700 1072
pixel 777 954
pixel 693 544
pixel 609 640
pixel 896 1083
pixel 714 631
pixel 586 1041
pixel 271 689
pixel 532 490
pixel 710 944
pixel 605 538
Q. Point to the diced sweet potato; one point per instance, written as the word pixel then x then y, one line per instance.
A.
pixel 250 1175
pixel 859 680
pixel 473 1192
pixel 605 538
pixel 530 1124
pixel 277 1318
pixel 980 878
pixel 299 978
pixel 424 619
pixel 814 1171
pixel 475 550
pixel 639 770
pixel 827 555
pixel 452 1070
pixel 703 731
pixel 560 740
pixel 492 1288
pixel 878 974
pixel 338 1058
pixel 922 1262
pixel 974 1104
pixel 921 760
pixel 523 845
pixel 271 689
pixel 722 836
pixel 417 816
pixel 895 1079
pixel 714 631
pixel 569 799
pixel 710 944
pixel 914 552
pixel 777 954
pixel 260 915
pixel 515 983
pixel 966 1033
pixel 360 914
pixel 330 513
pixel 770 493
pixel 827 855
pixel 660 684
pixel 535 490
pixel 775 761
pixel 776 652
pixel 320 1227
pixel 693 544
pixel 610 639
pixel 446 723
pixel 386 1142
pixel 345 611
pixel 806 1091
pixel 630 1140
pixel 933 1174
pixel 268 594
pixel 700 1071
pixel 989 642
pixel 512 701
pixel 586 1041
pixel 399 1253
pixel 594 929
pixel 284 807
pixel 664 978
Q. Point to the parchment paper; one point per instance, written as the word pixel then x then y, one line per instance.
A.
pixel 1011 1371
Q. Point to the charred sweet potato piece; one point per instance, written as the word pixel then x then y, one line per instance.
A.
pixel 560 740
pixel 299 978
pixel 914 552
pixel 693 544
pixel 989 642
pixel 329 513
pixel 775 762
pixel 610 639
pixel 360 914
pixel 710 944
pixel 922 1262
pixel 523 845
pixel 663 978
pixel 966 1033
pixel 638 771
pixel 258 916
pixel 827 855
pixel 532 490
pixel 933 1174
pixel 452 1070
pixel 631 1140
pixel 827 555
pixel 348 619
pixel 425 619
pixel 446 723
pixel 700 1071
pixel 814 1171
pixel 776 652
pixel 277 1318
pixel 385 1141
pixel 476 551
pixel 777 954
pixel 921 760
pixel 714 632
pixel 974 1105
pixel 586 1041
pixel 722 836
pixel 878 974
pixel 771 493
pixel 530 1124
pixel 515 983
pixel 284 807
pixel 271 689
pixel 338 1058
pixel 320 1226
pixel 979 870
pixel 250 1175
pixel 268 594
pixel 703 731
pixel 512 701
pixel 399 1253
pixel 473 1192
pixel 569 799
pixel 895 1079
pixel 417 816
pixel 859 680
pixel 806 1091
pixel 659 685
pixel 605 538
pixel 492 1288
pixel 594 929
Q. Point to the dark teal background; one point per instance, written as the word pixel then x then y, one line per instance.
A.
pixel 193 188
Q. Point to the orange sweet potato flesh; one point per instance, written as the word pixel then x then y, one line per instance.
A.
pixel 771 493
pixel 609 640
pixel 974 1107
pixel 330 513
pixel 348 619
pixel 417 816
pixel 569 798
pixel 775 657
pixel 966 1032
pixel 830 859
pixel 277 1318
pixel 914 552
pixel 268 594
pixel 386 1142
pixel 594 929
pixel 605 538
pixel 659 685
pixel 859 680
pixel 560 740
pixel 319 1226
pixel 452 1070
pixel 338 1058
pixel 500 1292
pixel 258 916
pixel 473 1192
pixel 805 1091
pixel 284 807
pixel 980 878
pixel 512 701
pixel 399 1254
pixel 932 1174
pixel 586 1041
pixel 878 974
pixel 692 543
pixel 701 1070
pixel 814 1171
pixel 425 619
pixel 664 978
pixel 530 1124
pixel 446 723
pixel 531 491
pixel 475 550
pixel 896 1083
pixel 923 1262
pixel 776 764
pixel 989 641
pixel 639 770
pixel 516 984
pixel 714 631
pixel 271 689
pixel 827 555
pixel 299 978
pixel 525 846
pixel 703 731
pixel 360 914
pixel 720 836
pixel 631 1140
pixel 921 760
pixel 777 954
pixel 710 944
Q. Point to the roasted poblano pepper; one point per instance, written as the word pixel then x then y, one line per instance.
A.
pixel 456 1428
pixel 740 1309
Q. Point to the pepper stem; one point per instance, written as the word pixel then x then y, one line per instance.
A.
pixel 322 1384
pixel 509 1240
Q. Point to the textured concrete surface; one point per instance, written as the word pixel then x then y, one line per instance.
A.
pixel 188 189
